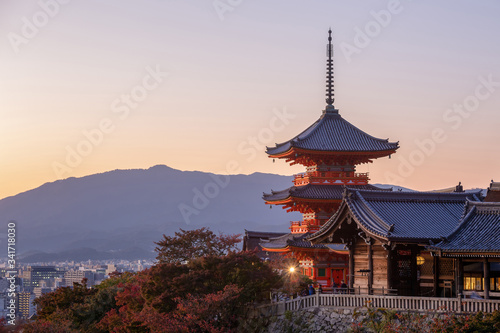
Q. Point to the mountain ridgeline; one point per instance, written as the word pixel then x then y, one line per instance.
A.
pixel 121 213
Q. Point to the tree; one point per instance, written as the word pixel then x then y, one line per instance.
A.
pixel 205 313
pixel 54 303
pixel 45 326
pixel 190 244
pixel 208 294
pixel 77 309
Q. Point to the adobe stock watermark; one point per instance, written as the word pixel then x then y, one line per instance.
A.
pixel 372 29
pixel 121 108
pixel 31 26
pixel 222 7
pixel 453 117
pixel 11 273
pixel 247 149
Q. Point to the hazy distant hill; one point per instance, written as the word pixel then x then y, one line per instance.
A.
pixel 394 187
pixel 127 210
pixel 120 214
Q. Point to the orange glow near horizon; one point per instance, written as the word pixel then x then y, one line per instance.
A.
pixel 131 85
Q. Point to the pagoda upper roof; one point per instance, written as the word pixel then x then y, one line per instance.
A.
pixel 315 191
pixel 403 216
pixel 478 231
pixel 332 133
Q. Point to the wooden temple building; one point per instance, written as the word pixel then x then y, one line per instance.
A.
pixel 329 149
pixel 252 240
pixel 418 243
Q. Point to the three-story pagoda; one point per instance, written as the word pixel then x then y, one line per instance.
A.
pixel 330 149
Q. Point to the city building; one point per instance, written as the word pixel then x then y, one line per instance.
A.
pixel 76 276
pixel 26 308
pixel 39 291
pixel 110 269
pixel 34 274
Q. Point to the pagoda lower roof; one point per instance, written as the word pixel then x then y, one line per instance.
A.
pixel 315 191
pixel 332 133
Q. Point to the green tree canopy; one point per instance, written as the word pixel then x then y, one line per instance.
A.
pixel 190 244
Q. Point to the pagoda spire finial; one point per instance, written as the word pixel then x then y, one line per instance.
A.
pixel 329 76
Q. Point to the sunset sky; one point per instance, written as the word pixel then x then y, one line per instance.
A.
pixel 90 86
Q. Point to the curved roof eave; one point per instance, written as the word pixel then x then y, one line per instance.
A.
pixel 360 219
pixel 328 224
pixel 332 133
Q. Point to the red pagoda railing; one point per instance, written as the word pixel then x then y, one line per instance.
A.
pixel 331 178
pixel 305 226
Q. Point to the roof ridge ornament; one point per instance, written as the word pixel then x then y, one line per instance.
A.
pixel 330 95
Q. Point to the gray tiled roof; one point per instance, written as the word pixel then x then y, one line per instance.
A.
pixel 263 234
pixel 313 191
pixel 403 215
pixel 297 240
pixel 333 133
pixel 479 230
pixel 252 239
pixel 337 247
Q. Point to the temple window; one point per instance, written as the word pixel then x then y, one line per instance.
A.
pixel 495 284
pixel 473 282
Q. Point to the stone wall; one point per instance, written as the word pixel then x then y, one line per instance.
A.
pixel 330 319
pixel 308 320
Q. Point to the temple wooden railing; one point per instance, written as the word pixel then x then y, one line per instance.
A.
pixel 364 291
pixel 404 303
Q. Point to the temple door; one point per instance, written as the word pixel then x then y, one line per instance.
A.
pixel 402 272
pixel 338 276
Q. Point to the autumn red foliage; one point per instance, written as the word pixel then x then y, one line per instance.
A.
pixel 201 283
pixel 208 294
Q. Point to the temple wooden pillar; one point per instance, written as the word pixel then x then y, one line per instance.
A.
pixel 413 268
pixel 351 265
pixel 486 273
pixel 460 276
pixel 370 268
pixel 390 267
pixel 435 272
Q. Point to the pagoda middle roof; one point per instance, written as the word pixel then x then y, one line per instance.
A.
pixel 316 191
pixel 333 133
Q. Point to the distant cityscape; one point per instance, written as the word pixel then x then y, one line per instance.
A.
pixel 34 280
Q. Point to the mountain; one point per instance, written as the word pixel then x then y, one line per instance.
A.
pixel 84 254
pixel 126 211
